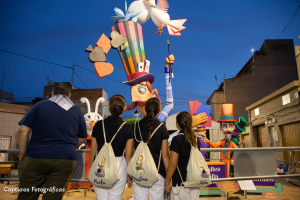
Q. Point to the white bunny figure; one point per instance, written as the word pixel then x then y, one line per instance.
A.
pixel 91 117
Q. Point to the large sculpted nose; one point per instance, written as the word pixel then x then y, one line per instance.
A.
pixel 92 123
pixel 134 94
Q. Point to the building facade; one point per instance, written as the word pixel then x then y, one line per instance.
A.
pixel 275 119
pixel 10 115
pixel 6 97
pixel 269 69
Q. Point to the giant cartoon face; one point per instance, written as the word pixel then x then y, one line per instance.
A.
pixel 227 128
pixel 140 94
pixel 91 117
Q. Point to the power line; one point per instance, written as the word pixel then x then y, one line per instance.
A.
pixel 292 21
pixel 95 73
pixel 55 64
pixel 81 80
pixel 75 72
pixel 204 102
pixel 35 59
pixel 92 83
pixel 293 17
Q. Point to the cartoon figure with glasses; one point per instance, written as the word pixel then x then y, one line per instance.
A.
pixel 227 127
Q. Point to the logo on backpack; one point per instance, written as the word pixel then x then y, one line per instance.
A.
pixel 99 182
pixel 100 169
pixel 200 162
pixel 204 182
pixel 204 174
pixel 139 165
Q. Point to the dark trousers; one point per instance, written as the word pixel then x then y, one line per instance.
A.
pixel 51 174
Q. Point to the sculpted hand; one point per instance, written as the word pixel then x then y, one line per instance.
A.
pixel 199 119
pixel 232 162
pixel 169 60
pixel 243 141
pixel 201 134
pixel 205 140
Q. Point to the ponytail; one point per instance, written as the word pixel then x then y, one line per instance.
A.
pixel 152 108
pixel 150 125
pixel 184 120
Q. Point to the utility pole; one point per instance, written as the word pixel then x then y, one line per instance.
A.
pixel 2 83
pixel 72 77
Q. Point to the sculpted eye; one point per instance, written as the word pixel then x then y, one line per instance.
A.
pixel 97 117
pixel 87 117
pixel 142 90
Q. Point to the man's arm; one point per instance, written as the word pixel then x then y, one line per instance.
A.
pixel 23 139
pixel 80 141
pixel 163 115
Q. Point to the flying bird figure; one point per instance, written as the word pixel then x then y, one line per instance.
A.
pixel 161 18
pixel 137 12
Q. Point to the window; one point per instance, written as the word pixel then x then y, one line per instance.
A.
pixel 286 99
pixel 256 111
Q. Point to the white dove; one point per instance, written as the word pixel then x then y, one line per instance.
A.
pixel 161 18
pixel 137 12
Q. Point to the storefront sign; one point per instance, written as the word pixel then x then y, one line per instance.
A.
pixel 228 186
pixel 264 182
pixel 83 185
pixel 217 170
pixel 270 195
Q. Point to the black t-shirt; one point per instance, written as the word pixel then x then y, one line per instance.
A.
pixel 112 124
pixel 183 148
pixel 155 142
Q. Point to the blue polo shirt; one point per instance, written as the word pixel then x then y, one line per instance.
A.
pixel 54 131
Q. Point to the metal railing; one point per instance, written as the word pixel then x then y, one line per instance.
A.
pixel 83 151
pixel 295 162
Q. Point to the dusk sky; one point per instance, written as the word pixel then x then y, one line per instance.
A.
pixel 218 39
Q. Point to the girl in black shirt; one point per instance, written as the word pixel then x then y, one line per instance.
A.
pixel 180 155
pixel 158 143
pixel 123 140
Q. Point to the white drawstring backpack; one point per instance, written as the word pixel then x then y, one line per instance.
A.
pixel 198 173
pixel 104 171
pixel 142 168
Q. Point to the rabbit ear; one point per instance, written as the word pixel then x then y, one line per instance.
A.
pixel 100 100
pixel 85 100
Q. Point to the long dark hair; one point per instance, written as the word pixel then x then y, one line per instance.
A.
pixel 152 108
pixel 116 105
pixel 184 120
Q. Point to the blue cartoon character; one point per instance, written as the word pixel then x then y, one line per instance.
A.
pixel 100 170
pixel 139 167
pixel 204 174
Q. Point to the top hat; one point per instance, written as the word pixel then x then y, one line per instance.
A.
pixel 227 113
pixel 133 57
pixel 241 124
